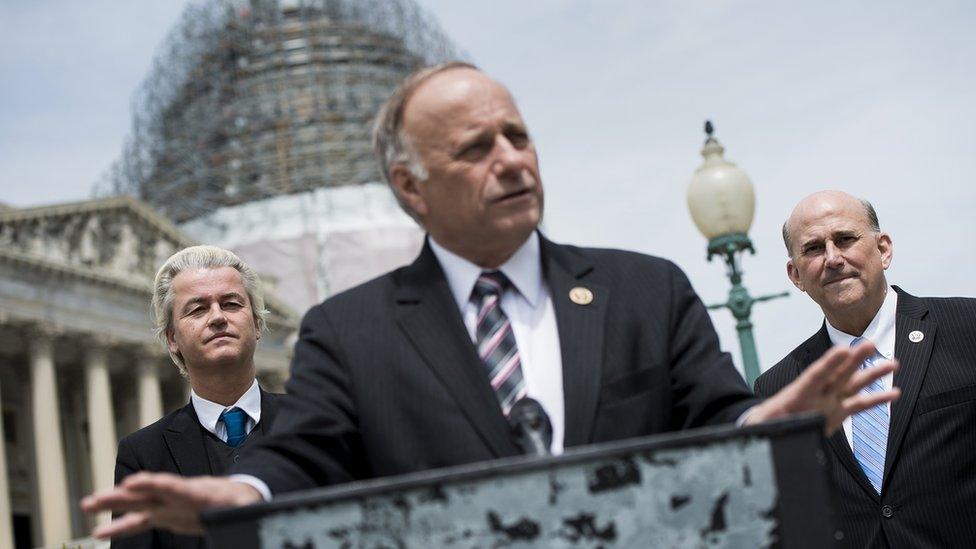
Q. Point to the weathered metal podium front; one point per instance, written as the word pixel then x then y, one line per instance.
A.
pixel 761 486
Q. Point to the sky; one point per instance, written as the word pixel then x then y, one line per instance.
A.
pixel 874 98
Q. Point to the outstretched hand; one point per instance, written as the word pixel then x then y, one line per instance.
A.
pixel 830 386
pixel 165 501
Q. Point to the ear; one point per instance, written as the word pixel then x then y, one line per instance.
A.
pixel 794 274
pixel 886 249
pixel 171 342
pixel 408 188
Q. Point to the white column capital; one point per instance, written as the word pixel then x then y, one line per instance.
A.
pixel 41 335
pixel 100 342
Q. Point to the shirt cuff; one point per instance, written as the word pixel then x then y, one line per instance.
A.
pixel 739 422
pixel 255 483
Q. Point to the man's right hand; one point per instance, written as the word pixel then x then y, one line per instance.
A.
pixel 165 501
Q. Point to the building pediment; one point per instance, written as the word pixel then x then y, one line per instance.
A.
pixel 116 239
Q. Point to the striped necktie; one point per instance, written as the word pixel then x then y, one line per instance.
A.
pixel 496 342
pixel 869 430
pixel 235 420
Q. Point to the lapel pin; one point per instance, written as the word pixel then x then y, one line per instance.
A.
pixel 581 296
pixel 916 336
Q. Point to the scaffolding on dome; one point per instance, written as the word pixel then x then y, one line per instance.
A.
pixel 251 99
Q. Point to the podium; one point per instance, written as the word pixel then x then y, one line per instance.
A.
pixel 759 486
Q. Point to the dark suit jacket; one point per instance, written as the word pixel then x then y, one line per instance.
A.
pixel 928 495
pixel 385 379
pixel 175 444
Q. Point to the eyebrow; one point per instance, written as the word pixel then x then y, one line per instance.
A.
pixel 831 236
pixel 474 138
pixel 471 139
pixel 196 300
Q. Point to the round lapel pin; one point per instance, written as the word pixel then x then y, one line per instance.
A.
pixel 581 296
pixel 916 336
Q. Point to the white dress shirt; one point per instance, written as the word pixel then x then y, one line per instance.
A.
pixel 529 309
pixel 881 332
pixel 209 412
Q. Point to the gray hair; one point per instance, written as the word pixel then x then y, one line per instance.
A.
pixel 869 213
pixel 391 144
pixel 199 257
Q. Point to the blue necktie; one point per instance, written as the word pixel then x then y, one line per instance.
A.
pixel 869 430
pixel 236 420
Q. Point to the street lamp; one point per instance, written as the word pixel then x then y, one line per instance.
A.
pixel 722 203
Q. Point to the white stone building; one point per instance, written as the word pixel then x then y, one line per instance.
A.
pixel 79 366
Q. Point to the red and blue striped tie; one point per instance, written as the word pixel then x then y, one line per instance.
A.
pixel 495 340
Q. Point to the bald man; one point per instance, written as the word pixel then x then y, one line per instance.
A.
pixel 419 368
pixel 906 471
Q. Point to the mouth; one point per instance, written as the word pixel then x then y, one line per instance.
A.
pixel 514 195
pixel 836 279
pixel 220 335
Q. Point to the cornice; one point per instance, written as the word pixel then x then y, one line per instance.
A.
pixel 43 264
pixel 281 315
pixel 122 202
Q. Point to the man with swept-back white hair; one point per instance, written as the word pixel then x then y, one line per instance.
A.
pixel 208 310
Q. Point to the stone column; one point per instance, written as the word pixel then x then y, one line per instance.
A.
pixel 6 527
pixel 150 394
pixel 101 421
pixel 52 485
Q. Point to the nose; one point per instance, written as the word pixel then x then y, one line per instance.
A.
pixel 509 159
pixel 832 256
pixel 217 318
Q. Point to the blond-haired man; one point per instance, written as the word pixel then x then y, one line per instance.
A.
pixel 208 310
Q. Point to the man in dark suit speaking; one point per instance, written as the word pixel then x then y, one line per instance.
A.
pixel 420 367
pixel 905 472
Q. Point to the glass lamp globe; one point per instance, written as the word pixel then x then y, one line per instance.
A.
pixel 720 196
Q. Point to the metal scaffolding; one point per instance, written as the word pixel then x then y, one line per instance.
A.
pixel 249 99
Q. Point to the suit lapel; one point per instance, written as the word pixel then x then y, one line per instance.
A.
pixel 581 329
pixel 429 316
pixel 184 438
pixel 816 346
pixel 914 361
pixel 269 409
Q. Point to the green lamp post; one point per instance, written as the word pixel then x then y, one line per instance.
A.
pixel 722 204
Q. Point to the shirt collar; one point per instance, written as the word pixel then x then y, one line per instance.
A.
pixel 881 330
pixel 209 412
pixel 523 269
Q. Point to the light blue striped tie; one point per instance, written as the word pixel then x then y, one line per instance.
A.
pixel 869 430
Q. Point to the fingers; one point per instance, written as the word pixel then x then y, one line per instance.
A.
pixel 126 525
pixel 867 376
pixel 135 493
pixel 118 500
pixel 831 369
pixel 863 401
pixel 849 360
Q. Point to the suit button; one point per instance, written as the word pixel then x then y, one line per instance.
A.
pixel 887 511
